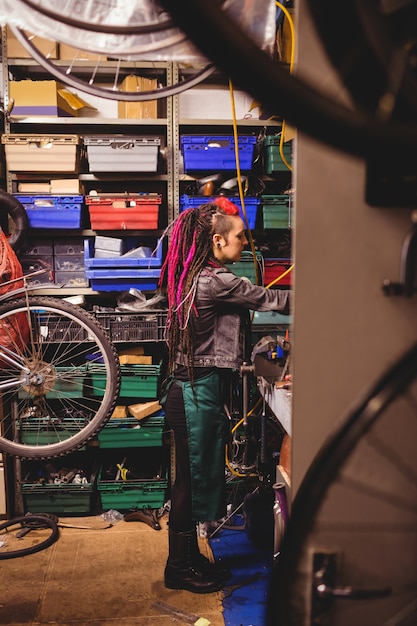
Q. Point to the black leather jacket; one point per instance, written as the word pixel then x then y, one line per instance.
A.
pixel 222 303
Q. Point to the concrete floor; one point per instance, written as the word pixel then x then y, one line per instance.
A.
pixel 101 577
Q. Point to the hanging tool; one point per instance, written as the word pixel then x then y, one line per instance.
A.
pixel 121 470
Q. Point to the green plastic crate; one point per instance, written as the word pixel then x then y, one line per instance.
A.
pixel 277 211
pixel 132 494
pixel 142 486
pixel 138 381
pixel 133 479
pixel 68 499
pixel 42 438
pixel 246 267
pixel 272 157
pixel 69 387
pixel 131 433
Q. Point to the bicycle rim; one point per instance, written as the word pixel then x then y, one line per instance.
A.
pixel 368 552
pixel 66 75
pixel 44 537
pixel 59 377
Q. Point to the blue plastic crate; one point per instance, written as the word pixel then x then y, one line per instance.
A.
pixel 251 205
pixel 50 211
pixel 48 199
pixel 123 280
pixel 123 262
pixel 201 152
pixel 60 216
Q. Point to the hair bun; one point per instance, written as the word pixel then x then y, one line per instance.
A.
pixel 226 205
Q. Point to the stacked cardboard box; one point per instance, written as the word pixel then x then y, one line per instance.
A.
pixel 138 110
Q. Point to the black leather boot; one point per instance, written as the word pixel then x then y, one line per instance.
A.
pixel 182 571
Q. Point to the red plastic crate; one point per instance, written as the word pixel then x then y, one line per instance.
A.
pixel 109 212
pixel 276 267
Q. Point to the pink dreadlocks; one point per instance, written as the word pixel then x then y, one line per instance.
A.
pixel 190 249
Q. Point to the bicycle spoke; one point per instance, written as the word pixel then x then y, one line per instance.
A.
pixel 51 404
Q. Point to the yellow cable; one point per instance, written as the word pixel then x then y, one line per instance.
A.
pixel 233 430
pixel 239 182
pixel 292 54
pixel 281 276
pixel 291 25
pixel 241 196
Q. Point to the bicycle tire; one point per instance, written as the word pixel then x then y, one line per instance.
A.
pixel 89 87
pixel 371 453
pixel 16 217
pixel 42 520
pixel 128 29
pixel 63 381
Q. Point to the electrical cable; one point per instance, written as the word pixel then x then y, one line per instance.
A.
pixel 239 182
pixel 281 276
pixel 287 14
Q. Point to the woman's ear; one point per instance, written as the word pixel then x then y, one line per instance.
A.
pixel 218 240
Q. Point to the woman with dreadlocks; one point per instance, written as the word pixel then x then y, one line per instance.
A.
pixel 208 307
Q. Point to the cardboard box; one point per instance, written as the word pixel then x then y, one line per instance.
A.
pixel 59 186
pixel 34 188
pixel 135 359
pixel 69 53
pixel 140 411
pixel 138 110
pixel 15 50
pixel 65 185
pixel 47 98
pixel 120 412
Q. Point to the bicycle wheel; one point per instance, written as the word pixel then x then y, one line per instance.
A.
pixel 342 564
pixel 59 377
pixel 112 92
pixel 44 532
